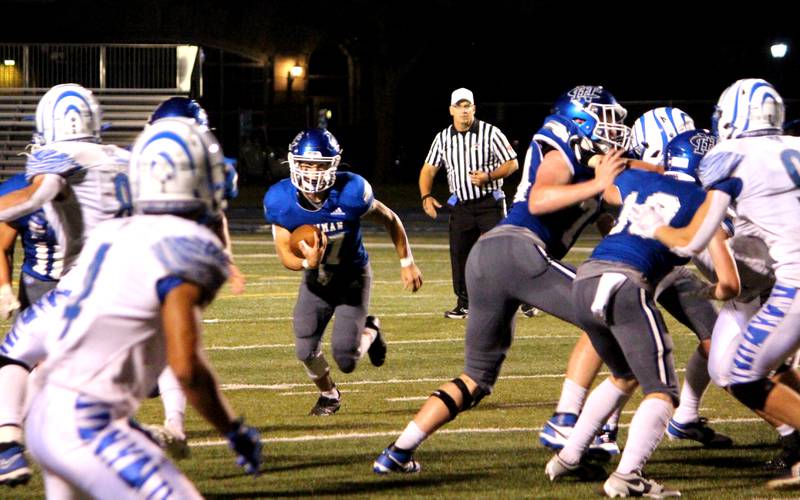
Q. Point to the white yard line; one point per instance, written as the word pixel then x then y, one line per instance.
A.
pixel 467 430
pixel 396 342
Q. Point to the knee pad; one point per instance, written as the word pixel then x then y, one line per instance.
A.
pixel 317 367
pixel 753 394
pixel 468 400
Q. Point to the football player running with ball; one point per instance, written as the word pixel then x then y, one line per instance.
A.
pixel 337 274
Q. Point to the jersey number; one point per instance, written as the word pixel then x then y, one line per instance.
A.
pixel 73 309
pixel 333 249
pixel 791 161
pixel 666 205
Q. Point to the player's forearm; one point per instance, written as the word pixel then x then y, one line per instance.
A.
pixel 550 198
pixel 23 201
pixel 203 394
pixel 400 238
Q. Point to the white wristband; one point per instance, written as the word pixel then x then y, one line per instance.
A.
pixel 406 261
pixel 305 264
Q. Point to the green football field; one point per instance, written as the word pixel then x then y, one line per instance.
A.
pixel 491 451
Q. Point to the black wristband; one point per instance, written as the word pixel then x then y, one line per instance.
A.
pixel 429 195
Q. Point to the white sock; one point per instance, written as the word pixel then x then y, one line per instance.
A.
pixel 173 399
pixel 572 397
pixel 784 430
pixel 646 431
pixel 332 394
pixel 411 437
pixel 13 385
pixel 367 337
pixel 613 420
pixel 603 400
pixel 694 385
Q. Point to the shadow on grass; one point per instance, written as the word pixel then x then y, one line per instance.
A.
pixel 379 485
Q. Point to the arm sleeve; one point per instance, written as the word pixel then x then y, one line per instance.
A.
pixel 49 188
pixel 194 259
pixel 720 201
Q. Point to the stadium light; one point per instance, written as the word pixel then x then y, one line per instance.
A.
pixel 778 50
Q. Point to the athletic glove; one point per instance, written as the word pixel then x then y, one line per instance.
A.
pixel 245 441
pixel 8 301
pixel 584 149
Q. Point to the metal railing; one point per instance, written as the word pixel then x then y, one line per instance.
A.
pixel 128 80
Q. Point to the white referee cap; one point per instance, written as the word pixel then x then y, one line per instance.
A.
pixel 461 94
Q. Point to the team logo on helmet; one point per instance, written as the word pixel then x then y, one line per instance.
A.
pixel 587 92
pixel 702 143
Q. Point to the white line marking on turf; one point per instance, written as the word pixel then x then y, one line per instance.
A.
pixel 420 246
pixel 412 398
pixel 305 393
pixel 466 430
pixel 394 342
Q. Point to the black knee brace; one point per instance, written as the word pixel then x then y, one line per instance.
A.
pixel 468 400
pixel 753 394
pixel 4 361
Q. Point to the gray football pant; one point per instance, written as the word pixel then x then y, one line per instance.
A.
pixel 32 288
pixel 634 341
pixel 678 294
pixel 347 296
pixel 505 269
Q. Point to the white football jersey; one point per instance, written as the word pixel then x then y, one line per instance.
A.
pixel 96 189
pixel 105 339
pixel 769 170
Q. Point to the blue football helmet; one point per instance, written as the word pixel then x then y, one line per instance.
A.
pixel 654 129
pixel 749 105
pixel 598 115
pixel 180 107
pixel 683 154
pixel 319 147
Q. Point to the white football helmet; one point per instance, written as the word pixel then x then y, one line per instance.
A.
pixel 749 105
pixel 177 168
pixel 67 112
pixel 654 129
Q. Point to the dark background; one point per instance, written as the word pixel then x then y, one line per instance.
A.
pixel 516 56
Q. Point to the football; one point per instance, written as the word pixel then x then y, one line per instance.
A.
pixel 304 233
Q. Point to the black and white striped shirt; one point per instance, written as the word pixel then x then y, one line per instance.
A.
pixel 483 148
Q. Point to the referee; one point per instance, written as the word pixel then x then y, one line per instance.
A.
pixel 476 156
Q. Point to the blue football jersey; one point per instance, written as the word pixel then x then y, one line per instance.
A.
pixel 339 217
pixel 558 230
pixel 677 201
pixel 42 256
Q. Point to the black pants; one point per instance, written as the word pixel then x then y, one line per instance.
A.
pixel 468 220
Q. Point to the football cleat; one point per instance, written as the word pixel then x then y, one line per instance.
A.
pixel 698 431
pixel 584 471
pixel 556 431
pixel 14 468
pixel 789 454
pixel 788 482
pixel 377 349
pixel 325 407
pixel 170 439
pixel 457 312
pixel 635 485
pixel 606 441
pixel 529 311
pixel 393 459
